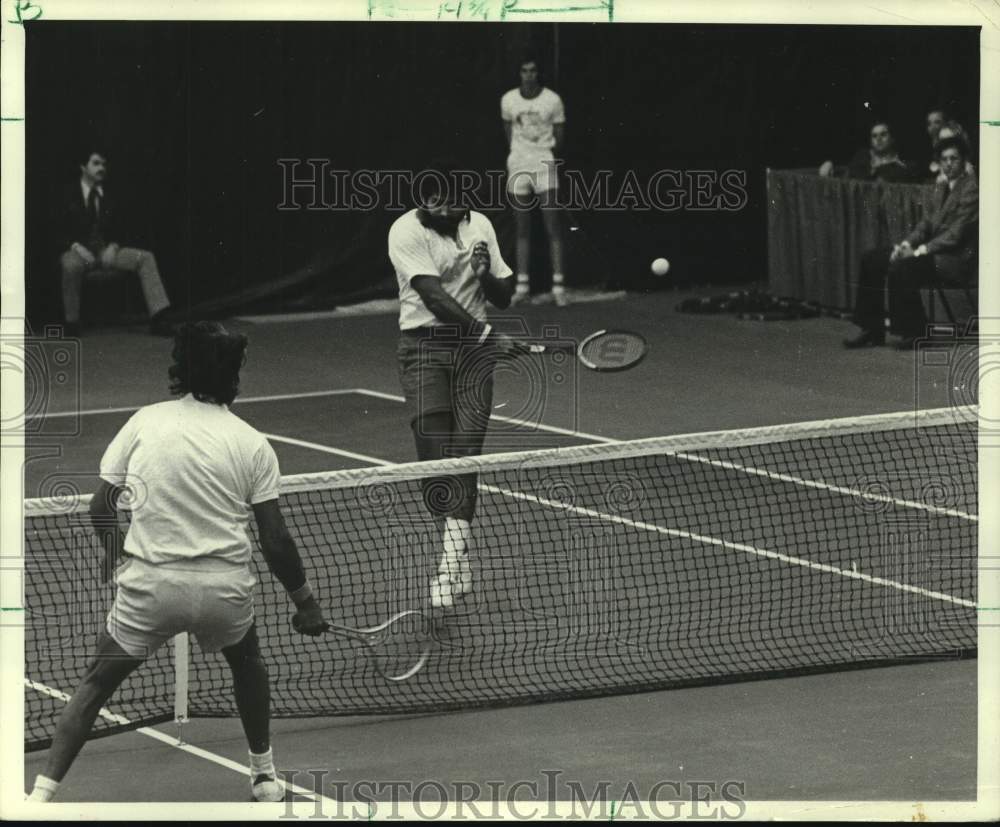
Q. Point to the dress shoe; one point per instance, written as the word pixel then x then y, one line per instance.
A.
pixel 160 325
pixel 866 338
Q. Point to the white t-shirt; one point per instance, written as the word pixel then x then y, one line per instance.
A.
pixel 195 468
pixel 416 250
pixel 532 121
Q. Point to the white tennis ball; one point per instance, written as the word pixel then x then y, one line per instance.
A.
pixel 660 267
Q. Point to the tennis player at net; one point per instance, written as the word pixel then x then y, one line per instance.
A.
pixel 194 471
pixel 448 264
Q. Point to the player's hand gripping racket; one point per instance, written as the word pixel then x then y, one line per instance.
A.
pixel 398 648
pixel 605 350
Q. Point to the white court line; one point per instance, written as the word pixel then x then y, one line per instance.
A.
pixel 701 538
pixel 715 541
pixel 852 492
pixel 326 449
pixel 173 742
pixel 731 466
pixel 553 429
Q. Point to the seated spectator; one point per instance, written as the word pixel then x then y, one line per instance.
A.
pixel 879 161
pixel 941 249
pixel 88 242
pixel 936 118
pixel 950 129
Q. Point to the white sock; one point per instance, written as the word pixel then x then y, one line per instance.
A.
pixel 262 764
pixel 455 541
pixel 523 283
pixel 557 282
pixel 44 790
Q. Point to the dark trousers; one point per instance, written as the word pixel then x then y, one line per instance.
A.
pixel 904 277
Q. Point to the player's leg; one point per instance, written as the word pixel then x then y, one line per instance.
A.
pixel 109 668
pixel 252 692
pixel 425 374
pixel 520 186
pixel 472 401
pixel 552 218
pixel 222 620
pixel 143 264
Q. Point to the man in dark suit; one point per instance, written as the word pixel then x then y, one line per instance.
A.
pixel 88 232
pixel 941 249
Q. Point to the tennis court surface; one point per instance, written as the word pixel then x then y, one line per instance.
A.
pixel 746 549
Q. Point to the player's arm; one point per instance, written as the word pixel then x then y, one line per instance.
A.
pixel 507 129
pixel 442 305
pixel 104 521
pixel 446 309
pixel 499 291
pixel 282 557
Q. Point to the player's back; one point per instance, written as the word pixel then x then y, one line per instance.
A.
pixel 194 468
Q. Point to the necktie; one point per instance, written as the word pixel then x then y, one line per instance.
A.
pixel 95 240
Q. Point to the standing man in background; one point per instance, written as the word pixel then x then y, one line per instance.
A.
pixel 534 122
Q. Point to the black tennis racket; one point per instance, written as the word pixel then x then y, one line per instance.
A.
pixel 398 648
pixel 604 351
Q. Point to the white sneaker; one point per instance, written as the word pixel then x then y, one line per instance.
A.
pixel 450 585
pixel 560 296
pixel 267 788
pixel 542 298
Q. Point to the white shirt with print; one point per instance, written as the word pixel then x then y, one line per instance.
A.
pixel 532 121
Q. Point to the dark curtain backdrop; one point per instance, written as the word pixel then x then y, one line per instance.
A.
pixel 195 116
pixel 819 228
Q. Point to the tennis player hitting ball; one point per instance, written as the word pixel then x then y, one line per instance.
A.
pixel 194 471
pixel 448 265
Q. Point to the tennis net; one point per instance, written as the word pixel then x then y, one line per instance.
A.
pixel 598 570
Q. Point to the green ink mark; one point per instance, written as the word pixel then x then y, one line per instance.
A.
pixel 22 6
pixel 371 811
pixel 13 120
pixel 11 609
pixel 612 811
pixel 488 9
pixel 991 123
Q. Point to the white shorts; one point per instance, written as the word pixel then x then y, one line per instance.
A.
pixel 207 596
pixel 527 175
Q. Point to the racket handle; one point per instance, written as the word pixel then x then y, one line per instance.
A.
pixel 297 624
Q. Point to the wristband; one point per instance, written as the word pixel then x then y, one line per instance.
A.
pixel 487 329
pixel 301 594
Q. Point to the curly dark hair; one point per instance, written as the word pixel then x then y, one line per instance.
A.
pixel 207 362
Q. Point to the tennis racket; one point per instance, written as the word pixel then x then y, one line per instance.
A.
pixel 398 648
pixel 605 351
